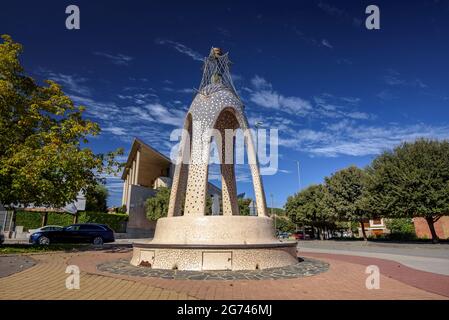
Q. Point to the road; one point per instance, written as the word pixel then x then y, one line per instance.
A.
pixel 426 257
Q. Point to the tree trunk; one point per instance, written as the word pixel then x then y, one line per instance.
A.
pixel 363 230
pixel 44 219
pixel 320 231
pixel 430 222
pixel 12 223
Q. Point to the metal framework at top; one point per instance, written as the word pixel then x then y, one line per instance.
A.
pixel 216 74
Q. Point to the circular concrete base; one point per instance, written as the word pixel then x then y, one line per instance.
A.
pixel 214 257
pixel 200 243
pixel 208 230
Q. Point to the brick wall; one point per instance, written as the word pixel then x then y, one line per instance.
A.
pixel 441 228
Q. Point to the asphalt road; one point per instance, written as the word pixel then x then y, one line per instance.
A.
pixel 422 256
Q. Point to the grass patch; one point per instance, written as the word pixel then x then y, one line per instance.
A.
pixel 26 248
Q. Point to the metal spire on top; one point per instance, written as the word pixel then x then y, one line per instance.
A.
pixel 216 74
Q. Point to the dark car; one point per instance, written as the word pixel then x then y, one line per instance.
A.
pixel 76 233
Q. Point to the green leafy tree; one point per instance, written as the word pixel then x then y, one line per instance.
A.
pixel 244 206
pixel 308 208
pixel 43 158
pixel 345 195
pixel 157 206
pixel 96 199
pixel 411 181
pixel 401 228
pixel 284 224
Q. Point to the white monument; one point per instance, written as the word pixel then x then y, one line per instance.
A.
pixel 188 239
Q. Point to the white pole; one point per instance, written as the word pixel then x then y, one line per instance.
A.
pixel 299 176
pixel 275 228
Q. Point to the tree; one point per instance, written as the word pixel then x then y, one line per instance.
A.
pixel 96 199
pixel 284 224
pixel 244 206
pixel 157 206
pixel 411 181
pixel 42 158
pixel 308 208
pixel 345 195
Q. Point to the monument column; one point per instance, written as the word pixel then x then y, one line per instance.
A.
pixel 195 202
pixel 179 183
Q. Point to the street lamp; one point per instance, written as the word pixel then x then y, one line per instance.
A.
pixel 299 176
pixel 275 227
pixel 258 125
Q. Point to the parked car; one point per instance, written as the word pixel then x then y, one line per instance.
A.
pixel 46 228
pixel 283 235
pixel 76 233
pixel 301 236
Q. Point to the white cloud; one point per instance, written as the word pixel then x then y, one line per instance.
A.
pixel 348 138
pixel 260 83
pixel 184 90
pixel 118 131
pixel 117 59
pixel 162 114
pixel 393 78
pixel 339 13
pixel 330 106
pixel 267 98
pixel 385 95
pixel 182 49
pixel 327 44
pixel 71 83
pixel 100 110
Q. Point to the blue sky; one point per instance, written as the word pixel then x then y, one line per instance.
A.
pixel 338 93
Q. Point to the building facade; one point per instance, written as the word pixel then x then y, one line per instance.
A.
pixel 145 171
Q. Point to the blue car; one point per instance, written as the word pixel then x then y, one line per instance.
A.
pixel 76 233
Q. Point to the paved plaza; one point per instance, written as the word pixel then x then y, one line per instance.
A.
pixel 44 277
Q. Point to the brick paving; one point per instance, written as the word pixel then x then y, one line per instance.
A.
pixel 427 281
pixel 46 280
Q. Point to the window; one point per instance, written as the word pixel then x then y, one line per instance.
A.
pixel 73 228
pixel 91 227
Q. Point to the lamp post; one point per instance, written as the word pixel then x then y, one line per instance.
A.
pixel 299 176
pixel 275 227
pixel 258 125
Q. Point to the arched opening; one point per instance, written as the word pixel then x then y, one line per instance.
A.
pixel 179 183
pixel 225 126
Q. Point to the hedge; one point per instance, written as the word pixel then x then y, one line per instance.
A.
pixel 116 221
pixel 401 229
pixel 33 220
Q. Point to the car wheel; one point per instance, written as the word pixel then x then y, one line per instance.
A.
pixel 98 241
pixel 43 240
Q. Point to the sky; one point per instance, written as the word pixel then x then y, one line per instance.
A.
pixel 338 93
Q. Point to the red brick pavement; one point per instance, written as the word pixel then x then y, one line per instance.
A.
pixel 427 281
pixel 344 280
